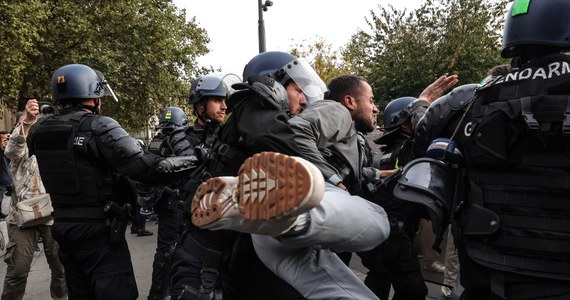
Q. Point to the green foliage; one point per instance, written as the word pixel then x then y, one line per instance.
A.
pixel 326 61
pixel 406 51
pixel 145 48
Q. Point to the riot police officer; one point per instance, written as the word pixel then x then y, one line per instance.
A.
pixel 172 118
pixel 80 154
pixel 165 201
pixel 208 94
pixel 207 263
pixel 395 263
pixel 513 133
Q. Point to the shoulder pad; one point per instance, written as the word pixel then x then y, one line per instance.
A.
pixel 452 102
pixel 439 113
pixel 102 124
pixel 115 143
pixel 180 143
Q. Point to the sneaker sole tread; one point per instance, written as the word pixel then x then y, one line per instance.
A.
pixel 271 186
pixel 209 205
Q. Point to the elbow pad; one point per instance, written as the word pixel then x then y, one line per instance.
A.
pixel 437 118
pixel 179 144
pixel 115 143
pixel 177 164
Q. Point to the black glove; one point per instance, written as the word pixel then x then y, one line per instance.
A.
pixel 202 152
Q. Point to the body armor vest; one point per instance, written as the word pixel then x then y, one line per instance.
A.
pixel 159 144
pixel 516 141
pixel 222 159
pixel 70 170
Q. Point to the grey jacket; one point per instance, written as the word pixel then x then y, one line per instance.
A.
pixel 325 131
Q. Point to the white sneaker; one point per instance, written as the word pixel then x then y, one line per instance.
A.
pixel 266 197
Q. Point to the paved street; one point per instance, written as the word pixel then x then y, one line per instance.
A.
pixel 142 251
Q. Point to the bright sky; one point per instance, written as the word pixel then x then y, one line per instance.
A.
pixel 232 25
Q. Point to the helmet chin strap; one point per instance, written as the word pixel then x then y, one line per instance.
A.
pixel 202 116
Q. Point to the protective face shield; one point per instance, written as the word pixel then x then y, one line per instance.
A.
pixel 300 71
pixel 107 88
pixel 213 85
pixel 172 117
pixel 78 81
pixel 431 183
pixel 540 23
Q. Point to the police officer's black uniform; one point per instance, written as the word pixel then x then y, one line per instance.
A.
pixel 167 202
pixel 394 263
pixel 224 261
pixel 79 154
pixel 511 205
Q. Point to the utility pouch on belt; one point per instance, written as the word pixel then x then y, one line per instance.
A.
pixel 120 220
pixel 174 197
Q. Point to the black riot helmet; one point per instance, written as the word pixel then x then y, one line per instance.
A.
pixel 283 68
pixel 74 82
pixel 172 117
pixel 211 85
pixel 536 27
pixel 395 114
pixel 267 64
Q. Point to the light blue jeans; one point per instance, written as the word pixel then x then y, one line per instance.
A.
pixel 340 223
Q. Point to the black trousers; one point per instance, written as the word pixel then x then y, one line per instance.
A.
pixel 242 276
pixel 169 232
pixel 394 263
pixel 101 273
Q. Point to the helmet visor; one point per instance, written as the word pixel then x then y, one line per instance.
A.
pixel 103 84
pixel 225 79
pixel 306 78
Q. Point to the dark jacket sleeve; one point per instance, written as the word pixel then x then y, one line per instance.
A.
pixel 260 128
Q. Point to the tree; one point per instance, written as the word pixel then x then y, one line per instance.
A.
pixel 327 61
pixel 145 48
pixel 406 51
